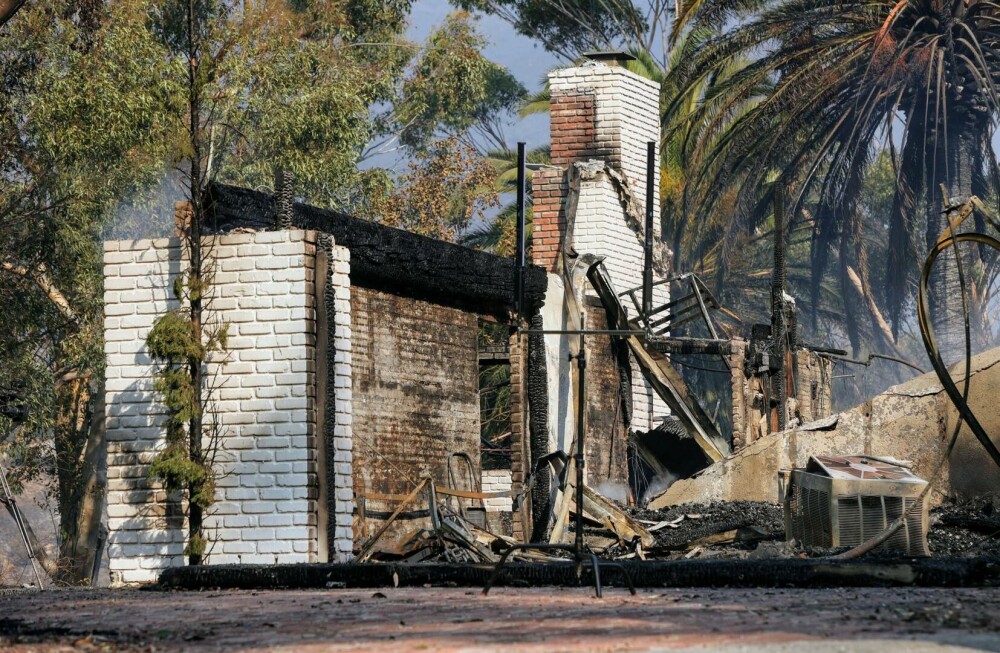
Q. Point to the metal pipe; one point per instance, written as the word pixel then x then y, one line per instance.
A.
pixel 588 332
pixel 868 362
pixel 7 498
pixel 581 362
pixel 519 262
pixel 647 267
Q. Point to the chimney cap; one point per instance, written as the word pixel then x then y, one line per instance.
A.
pixel 618 57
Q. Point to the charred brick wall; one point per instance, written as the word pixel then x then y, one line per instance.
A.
pixel 520 457
pixel 607 397
pixel 415 391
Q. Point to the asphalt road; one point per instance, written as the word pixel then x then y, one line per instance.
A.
pixel 539 619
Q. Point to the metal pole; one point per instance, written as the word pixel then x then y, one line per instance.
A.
pixel 519 263
pixel 11 503
pixel 647 267
pixel 581 362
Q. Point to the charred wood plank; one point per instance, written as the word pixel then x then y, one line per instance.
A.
pixel 817 572
pixel 666 345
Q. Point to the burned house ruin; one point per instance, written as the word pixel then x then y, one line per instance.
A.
pixel 353 368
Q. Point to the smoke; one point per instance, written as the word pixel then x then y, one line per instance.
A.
pixel 617 492
pixel 148 213
pixel 657 486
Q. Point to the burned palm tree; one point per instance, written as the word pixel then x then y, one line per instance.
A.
pixel 848 80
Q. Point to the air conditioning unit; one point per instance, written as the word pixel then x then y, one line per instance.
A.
pixel 842 501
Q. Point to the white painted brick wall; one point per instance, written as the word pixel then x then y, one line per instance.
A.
pixel 627 116
pixel 266 509
pixel 343 436
pixel 601 230
pixel 497 480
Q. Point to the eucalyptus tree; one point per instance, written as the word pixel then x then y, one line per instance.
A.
pixel 567 28
pixel 103 100
pixel 849 79
pixel 81 126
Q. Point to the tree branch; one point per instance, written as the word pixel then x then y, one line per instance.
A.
pixel 8 8
pixel 40 277
pixel 873 309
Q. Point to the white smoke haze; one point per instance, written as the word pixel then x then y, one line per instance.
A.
pixel 617 492
pixel 149 213
pixel 657 486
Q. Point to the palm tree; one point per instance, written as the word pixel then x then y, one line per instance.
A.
pixel 497 235
pixel 847 80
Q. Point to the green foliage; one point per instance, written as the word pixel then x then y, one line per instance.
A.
pixel 196 546
pixel 499 234
pixel 373 20
pixel 175 468
pixel 82 124
pixel 172 338
pixel 452 86
pixel 443 191
pixel 176 345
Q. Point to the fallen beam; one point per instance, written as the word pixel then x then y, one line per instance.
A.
pixel 664 379
pixel 668 345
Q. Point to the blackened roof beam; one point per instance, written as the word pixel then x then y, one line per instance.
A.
pixel 389 259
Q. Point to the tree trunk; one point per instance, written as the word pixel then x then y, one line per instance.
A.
pixel 778 335
pixel 195 431
pixel 954 171
pixel 80 459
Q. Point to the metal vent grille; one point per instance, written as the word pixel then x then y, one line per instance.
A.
pixel 811 511
pixel 842 509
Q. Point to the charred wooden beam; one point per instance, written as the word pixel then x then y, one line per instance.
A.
pixel 392 260
pixel 666 345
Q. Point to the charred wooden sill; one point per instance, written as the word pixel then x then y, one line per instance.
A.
pixel 816 572
pixel 391 260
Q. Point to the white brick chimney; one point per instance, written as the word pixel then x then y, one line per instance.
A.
pixel 602 117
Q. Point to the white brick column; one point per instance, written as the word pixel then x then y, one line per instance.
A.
pixel 497 480
pixel 267 490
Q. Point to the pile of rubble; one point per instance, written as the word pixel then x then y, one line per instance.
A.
pixel 735 530
pixel 966 528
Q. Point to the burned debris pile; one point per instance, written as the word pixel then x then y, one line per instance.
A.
pixel 722 530
pixel 808 525
pixel 966 528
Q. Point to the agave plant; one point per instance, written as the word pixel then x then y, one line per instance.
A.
pixel 848 80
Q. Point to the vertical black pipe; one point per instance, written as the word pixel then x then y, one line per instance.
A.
pixel 581 361
pixel 778 335
pixel 647 266
pixel 519 263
